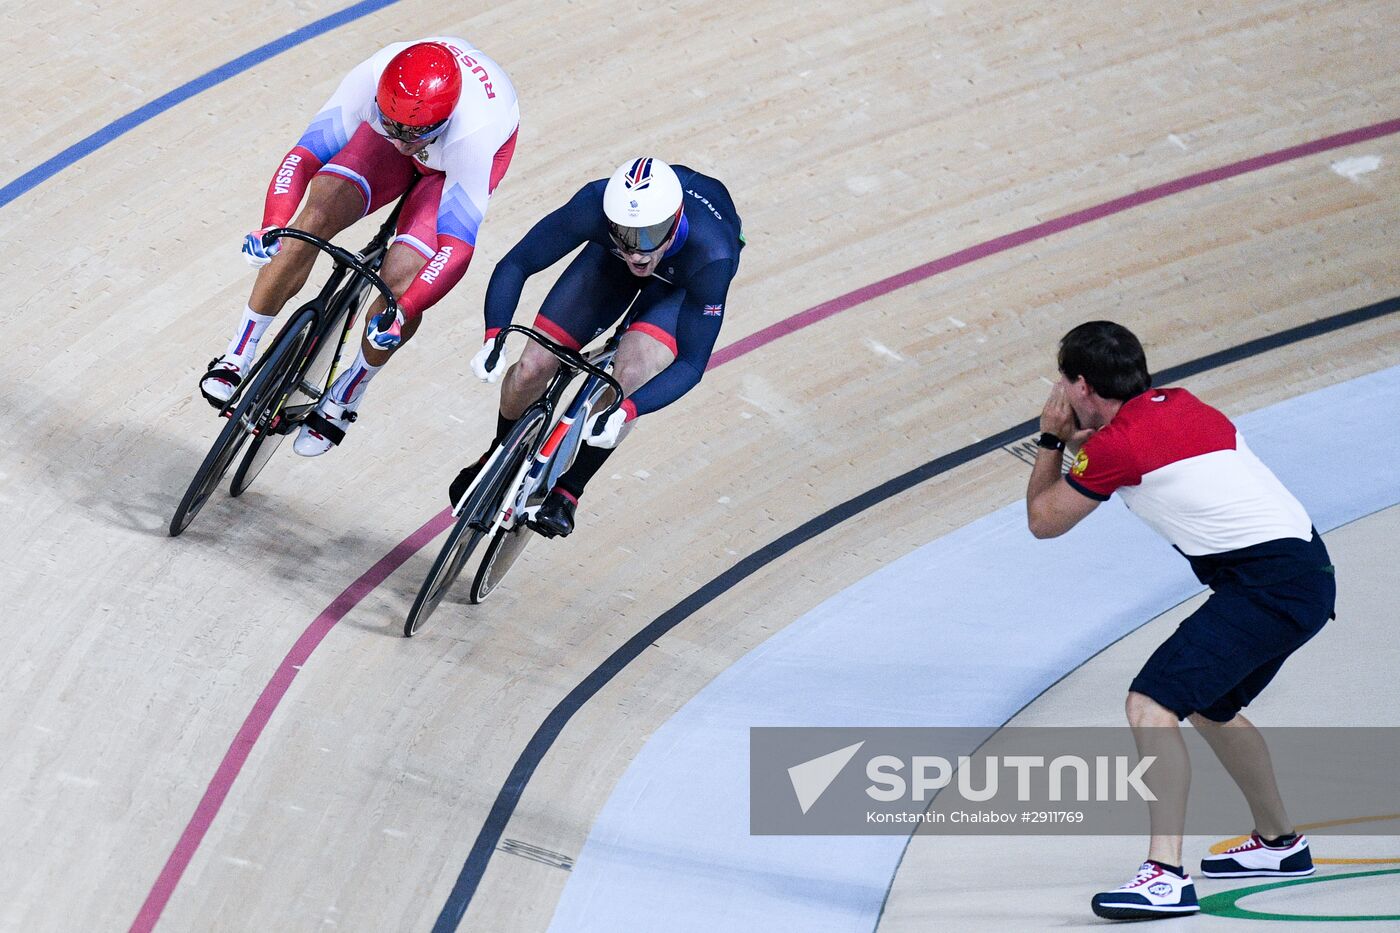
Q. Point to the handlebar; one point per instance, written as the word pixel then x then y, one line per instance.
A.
pixel 571 357
pixel 340 255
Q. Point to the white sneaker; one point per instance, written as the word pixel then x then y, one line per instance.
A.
pixel 325 427
pixel 1256 859
pixel 1152 893
pixel 223 378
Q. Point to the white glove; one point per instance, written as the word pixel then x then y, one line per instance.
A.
pixel 479 363
pixel 255 252
pixel 607 433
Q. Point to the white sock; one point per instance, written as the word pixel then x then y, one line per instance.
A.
pixel 250 330
pixel 350 385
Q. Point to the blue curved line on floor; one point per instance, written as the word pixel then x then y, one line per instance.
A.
pixel 952 634
pixel 85 147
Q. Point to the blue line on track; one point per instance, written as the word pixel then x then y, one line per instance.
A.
pixel 84 147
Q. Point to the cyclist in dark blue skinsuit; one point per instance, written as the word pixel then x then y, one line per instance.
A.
pixel 668 238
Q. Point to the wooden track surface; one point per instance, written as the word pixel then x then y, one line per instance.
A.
pixel 858 143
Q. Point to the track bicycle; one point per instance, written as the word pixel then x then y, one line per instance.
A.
pixel 500 504
pixel 289 379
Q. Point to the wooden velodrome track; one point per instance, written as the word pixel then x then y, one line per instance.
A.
pixel 860 144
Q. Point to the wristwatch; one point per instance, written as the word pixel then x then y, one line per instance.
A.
pixel 1050 441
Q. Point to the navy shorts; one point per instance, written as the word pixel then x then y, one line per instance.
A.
pixel 596 290
pixel 1226 652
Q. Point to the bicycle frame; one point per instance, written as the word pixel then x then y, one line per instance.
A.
pixel 539 448
pixel 567 433
pixel 257 411
pixel 335 294
pixel 555 453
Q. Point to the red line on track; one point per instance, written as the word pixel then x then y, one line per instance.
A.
pixel 262 711
pixel 1039 232
pixel 272 694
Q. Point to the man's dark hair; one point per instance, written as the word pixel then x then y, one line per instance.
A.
pixel 1109 358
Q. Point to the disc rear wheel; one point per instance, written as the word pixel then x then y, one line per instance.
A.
pixel 501 554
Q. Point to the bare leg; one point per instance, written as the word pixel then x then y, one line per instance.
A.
pixel 1241 749
pixel 523 384
pixel 526 380
pixel 1157 733
pixel 640 357
pixel 332 204
pixel 401 264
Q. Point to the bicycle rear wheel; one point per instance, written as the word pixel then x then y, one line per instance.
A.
pixel 259 452
pixel 501 554
pixel 264 393
pixel 473 523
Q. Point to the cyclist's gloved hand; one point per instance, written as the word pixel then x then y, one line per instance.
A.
pixel 385 332
pixel 255 252
pixel 601 433
pixel 481 359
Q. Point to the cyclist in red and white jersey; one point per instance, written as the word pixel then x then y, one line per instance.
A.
pixel 436 112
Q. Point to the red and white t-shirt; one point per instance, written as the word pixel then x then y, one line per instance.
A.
pixel 1183 468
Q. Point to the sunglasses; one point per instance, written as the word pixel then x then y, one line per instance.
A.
pixel 643 240
pixel 409 134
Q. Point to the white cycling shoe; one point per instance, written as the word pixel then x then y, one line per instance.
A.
pixel 225 375
pixel 325 427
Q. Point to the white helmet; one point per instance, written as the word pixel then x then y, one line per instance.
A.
pixel 643 205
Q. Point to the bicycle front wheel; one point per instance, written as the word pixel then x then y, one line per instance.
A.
pixel 461 541
pixel 264 393
pixel 495 488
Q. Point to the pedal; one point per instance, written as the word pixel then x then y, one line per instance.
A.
pixel 527 517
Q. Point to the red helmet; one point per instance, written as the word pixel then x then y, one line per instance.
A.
pixel 420 86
